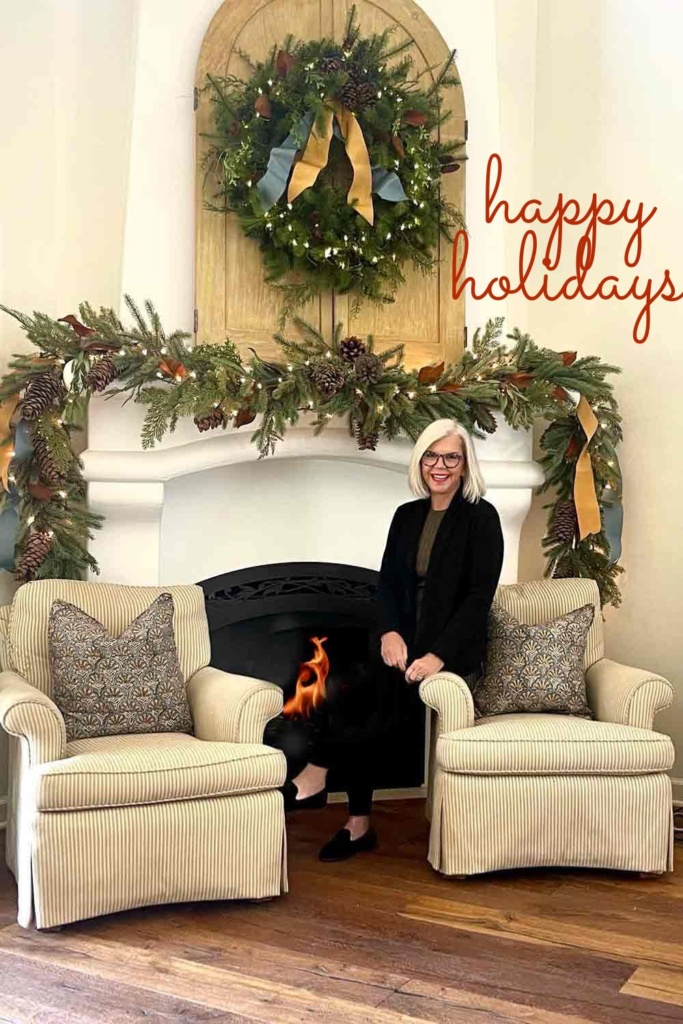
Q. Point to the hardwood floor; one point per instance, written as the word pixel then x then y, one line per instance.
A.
pixel 377 940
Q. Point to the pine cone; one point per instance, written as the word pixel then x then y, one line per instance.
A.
pixel 41 392
pixel 564 523
pixel 331 65
pixel 47 468
pixel 35 552
pixel 327 377
pixel 101 374
pixel 351 348
pixel 357 93
pixel 210 420
pixel 366 442
pixel 369 368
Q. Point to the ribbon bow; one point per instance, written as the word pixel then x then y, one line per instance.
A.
pixel 366 179
pixel 316 155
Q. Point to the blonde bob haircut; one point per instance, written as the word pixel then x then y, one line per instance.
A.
pixel 473 486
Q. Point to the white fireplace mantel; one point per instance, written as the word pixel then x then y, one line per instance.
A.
pixel 202 504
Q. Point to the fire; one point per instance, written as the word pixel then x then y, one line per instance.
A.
pixel 310 684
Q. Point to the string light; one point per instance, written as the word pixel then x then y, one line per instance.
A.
pixel 31 519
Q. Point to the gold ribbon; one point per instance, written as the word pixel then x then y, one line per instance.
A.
pixel 316 154
pixel 585 498
pixel 6 440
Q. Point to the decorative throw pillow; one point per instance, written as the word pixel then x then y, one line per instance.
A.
pixel 535 668
pixel 106 685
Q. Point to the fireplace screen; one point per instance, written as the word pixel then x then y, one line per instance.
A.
pixel 310 628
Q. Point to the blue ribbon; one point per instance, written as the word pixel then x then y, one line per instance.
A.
pixel 612 522
pixel 271 187
pixel 23 443
pixel 9 528
pixel 9 517
pixel 274 182
pixel 387 185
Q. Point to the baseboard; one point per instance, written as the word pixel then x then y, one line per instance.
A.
pixel 414 793
pixel 3 812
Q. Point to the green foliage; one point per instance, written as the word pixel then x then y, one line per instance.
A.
pixel 320 242
pixel 512 378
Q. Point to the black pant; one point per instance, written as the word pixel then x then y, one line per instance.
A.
pixel 344 735
pixel 315 742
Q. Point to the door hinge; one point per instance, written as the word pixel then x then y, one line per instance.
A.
pixel 196 321
pixel 196 99
pixel 467 123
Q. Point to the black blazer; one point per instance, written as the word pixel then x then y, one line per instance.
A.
pixel 461 581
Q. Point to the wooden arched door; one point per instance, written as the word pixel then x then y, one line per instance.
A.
pixel 232 298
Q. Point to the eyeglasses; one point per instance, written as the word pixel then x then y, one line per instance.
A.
pixel 451 460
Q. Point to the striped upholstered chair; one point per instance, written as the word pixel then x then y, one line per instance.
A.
pixel 105 824
pixel 524 790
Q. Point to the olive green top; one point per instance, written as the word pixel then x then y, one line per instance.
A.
pixel 427 538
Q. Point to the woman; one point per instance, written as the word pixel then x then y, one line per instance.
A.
pixel 439 574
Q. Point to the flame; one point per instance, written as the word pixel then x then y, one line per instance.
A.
pixel 310 691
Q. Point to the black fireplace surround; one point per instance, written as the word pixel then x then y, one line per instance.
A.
pixel 261 621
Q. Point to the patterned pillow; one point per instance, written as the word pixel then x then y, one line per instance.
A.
pixel 106 685
pixel 535 668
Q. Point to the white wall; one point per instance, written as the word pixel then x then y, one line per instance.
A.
pixel 576 97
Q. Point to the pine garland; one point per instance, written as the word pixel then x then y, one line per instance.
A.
pixel 326 379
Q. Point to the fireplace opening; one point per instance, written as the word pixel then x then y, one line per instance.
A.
pixel 293 623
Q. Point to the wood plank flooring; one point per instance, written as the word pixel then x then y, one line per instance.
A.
pixel 377 940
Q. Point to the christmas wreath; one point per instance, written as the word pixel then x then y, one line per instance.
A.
pixel 327 155
pixel 44 519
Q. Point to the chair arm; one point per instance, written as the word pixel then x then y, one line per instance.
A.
pixel 450 696
pixel 28 712
pixel 4 636
pixel 625 695
pixel 231 708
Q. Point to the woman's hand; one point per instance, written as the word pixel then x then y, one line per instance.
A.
pixel 394 651
pixel 423 667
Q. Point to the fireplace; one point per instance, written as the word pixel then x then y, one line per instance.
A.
pixel 267 621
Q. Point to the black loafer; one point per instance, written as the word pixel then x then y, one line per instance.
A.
pixel 342 846
pixel 292 803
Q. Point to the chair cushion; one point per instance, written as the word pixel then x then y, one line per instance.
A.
pixel 106 685
pixel 121 771
pixel 529 744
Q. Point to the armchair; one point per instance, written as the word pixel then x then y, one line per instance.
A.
pixel 105 824
pixel 525 790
